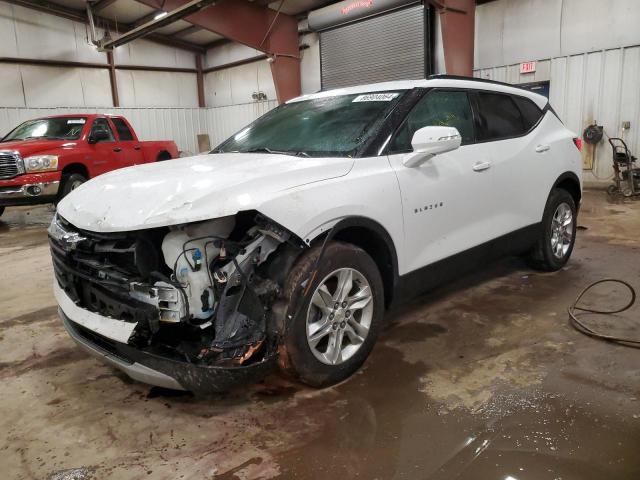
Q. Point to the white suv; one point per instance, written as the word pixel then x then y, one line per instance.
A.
pixel 285 245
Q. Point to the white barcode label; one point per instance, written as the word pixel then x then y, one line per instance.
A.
pixel 375 97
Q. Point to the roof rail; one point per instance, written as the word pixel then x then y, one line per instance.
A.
pixel 471 79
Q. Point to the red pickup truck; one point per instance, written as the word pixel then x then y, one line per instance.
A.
pixel 42 160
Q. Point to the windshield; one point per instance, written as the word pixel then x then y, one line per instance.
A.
pixel 328 126
pixel 65 128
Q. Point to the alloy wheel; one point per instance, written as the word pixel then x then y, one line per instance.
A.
pixel 561 230
pixel 339 316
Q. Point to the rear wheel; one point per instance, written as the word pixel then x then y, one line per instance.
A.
pixel 557 234
pixel 163 156
pixel 340 318
pixel 70 181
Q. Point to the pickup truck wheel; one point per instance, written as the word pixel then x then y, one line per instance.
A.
pixel 70 181
pixel 557 234
pixel 1 211
pixel 340 318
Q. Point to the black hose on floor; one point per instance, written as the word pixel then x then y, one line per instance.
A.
pixel 583 328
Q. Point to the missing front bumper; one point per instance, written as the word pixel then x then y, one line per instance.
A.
pixel 162 371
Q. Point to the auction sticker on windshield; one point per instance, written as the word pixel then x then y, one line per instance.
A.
pixel 376 97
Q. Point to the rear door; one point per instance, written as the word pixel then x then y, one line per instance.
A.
pixel 129 144
pixel 106 155
pixel 507 134
pixel 446 200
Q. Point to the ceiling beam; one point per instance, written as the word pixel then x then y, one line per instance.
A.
pixel 187 31
pixel 156 21
pixel 81 16
pixel 98 5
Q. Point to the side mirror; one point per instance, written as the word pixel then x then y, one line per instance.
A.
pixel 99 135
pixel 428 142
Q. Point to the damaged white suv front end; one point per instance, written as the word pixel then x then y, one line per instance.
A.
pixel 182 307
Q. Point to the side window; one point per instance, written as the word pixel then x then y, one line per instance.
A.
pixel 123 130
pixel 530 111
pixel 103 125
pixel 498 117
pixel 436 108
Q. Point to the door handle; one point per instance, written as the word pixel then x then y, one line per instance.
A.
pixel 542 148
pixel 137 147
pixel 480 166
pixel 117 149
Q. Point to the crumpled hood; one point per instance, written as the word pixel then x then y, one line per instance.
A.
pixel 190 189
pixel 31 147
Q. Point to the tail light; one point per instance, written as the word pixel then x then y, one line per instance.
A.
pixel 578 142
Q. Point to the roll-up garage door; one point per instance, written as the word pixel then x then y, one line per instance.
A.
pixel 387 47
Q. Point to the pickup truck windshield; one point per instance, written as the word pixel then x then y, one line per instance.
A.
pixel 328 126
pixel 62 128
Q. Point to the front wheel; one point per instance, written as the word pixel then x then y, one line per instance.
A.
pixel 339 319
pixel 557 234
pixel 69 183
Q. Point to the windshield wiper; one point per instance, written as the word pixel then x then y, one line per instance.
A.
pixel 264 150
pixel 276 152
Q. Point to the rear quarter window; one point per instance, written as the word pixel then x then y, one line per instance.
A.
pixel 123 130
pixel 531 113
pixel 498 117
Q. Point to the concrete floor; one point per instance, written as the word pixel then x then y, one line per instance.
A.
pixel 482 379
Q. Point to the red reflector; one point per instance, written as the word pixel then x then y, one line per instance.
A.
pixel 578 142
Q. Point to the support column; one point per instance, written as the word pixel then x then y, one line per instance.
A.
pixel 113 80
pixel 457 21
pixel 200 81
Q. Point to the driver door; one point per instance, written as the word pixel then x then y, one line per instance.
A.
pixel 446 201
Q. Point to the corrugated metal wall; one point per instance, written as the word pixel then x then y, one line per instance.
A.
pixel 600 86
pixel 179 124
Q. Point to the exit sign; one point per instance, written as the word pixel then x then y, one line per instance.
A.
pixel 528 67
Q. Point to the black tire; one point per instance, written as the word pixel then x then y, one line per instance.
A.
pixel 542 256
pixel 296 356
pixel 70 181
pixel 1 211
pixel 163 156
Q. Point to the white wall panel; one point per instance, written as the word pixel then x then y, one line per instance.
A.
pixel 179 124
pixel 513 31
pixel 52 86
pixel 149 54
pixel 589 25
pixel 236 85
pixel 47 37
pixel 217 88
pixel 8 45
pixel 11 86
pixel 156 89
pixel 229 53
pixel 310 64
pixel 96 87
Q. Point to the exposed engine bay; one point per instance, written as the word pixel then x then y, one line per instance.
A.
pixel 201 293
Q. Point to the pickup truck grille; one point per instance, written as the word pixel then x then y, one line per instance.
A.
pixel 10 165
